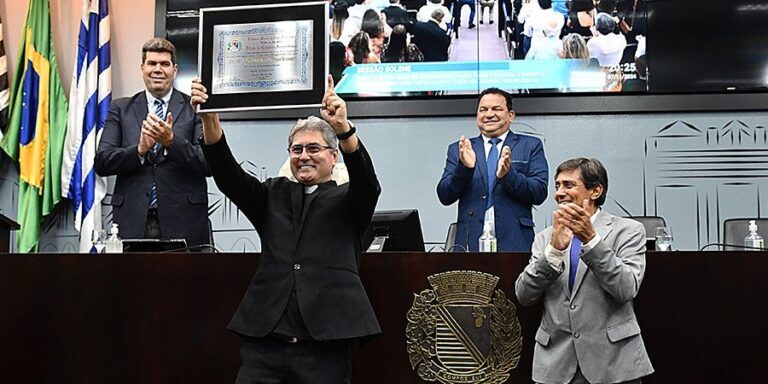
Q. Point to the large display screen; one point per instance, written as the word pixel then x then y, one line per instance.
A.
pixel 536 46
pixel 536 49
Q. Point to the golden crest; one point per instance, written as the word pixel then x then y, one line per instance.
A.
pixel 462 331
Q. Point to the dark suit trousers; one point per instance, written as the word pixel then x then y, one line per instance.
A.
pixel 275 361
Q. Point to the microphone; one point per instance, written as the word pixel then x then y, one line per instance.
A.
pixel 730 245
pixel 470 213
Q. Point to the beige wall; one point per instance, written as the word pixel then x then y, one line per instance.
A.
pixel 133 22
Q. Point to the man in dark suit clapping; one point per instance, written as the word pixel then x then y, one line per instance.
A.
pixel 150 143
pixel 306 303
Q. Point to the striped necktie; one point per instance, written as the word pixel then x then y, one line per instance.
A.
pixel 155 149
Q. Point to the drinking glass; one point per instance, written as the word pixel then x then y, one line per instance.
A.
pixel 663 238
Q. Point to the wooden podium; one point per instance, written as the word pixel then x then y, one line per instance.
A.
pixel 6 226
pixel 161 318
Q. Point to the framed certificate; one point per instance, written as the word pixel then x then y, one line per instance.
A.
pixel 263 56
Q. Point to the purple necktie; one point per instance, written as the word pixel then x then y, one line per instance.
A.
pixel 575 251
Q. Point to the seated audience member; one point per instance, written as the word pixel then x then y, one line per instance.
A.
pixel 549 47
pixel 581 17
pixel 607 47
pixel 425 13
pixel 357 10
pixel 398 50
pixel 589 76
pixel 359 50
pixel 486 5
pixel 354 22
pixel 432 40
pixel 396 14
pixel 575 47
pixel 340 16
pixel 337 55
pixel 375 28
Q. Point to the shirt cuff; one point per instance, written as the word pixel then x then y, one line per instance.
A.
pixel 554 258
pixel 592 244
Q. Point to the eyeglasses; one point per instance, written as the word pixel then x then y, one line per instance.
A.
pixel 312 149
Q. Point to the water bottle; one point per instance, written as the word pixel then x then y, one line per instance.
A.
pixel 488 238
pixel 753 241
pixel 114 244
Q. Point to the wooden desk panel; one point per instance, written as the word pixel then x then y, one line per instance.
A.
pixel 161 318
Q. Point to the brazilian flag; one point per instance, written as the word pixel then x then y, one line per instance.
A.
pixel 37 124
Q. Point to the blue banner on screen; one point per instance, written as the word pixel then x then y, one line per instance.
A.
pixel 469 77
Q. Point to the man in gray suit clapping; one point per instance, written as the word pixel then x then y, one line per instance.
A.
pixel 586 268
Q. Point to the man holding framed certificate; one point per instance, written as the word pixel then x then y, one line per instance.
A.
pixel 305 305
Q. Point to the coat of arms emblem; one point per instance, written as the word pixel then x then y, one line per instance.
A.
pixel 462 331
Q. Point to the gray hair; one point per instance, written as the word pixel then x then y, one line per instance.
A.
pixel 605 23
pixel 316 124
pixel 438 14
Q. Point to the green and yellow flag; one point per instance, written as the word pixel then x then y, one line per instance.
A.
pixel 37 125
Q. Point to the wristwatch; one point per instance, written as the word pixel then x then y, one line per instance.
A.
pixel 347 134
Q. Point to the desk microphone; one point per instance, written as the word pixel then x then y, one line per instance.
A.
pixel 731 245
pixel 469 225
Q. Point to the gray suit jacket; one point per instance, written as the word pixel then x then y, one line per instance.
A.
pixel 594 327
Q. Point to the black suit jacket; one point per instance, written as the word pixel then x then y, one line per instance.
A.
pixel 396 15
pixel 432 40
pixel 312 247
pixel 180 174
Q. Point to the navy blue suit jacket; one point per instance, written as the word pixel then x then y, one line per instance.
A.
pixel 514 195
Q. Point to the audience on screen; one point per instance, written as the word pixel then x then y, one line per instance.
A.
pixel 486 5
pixel 376 29
pixel 431 38
pixel 395 14
pixel 340 15
pixel 540 20
pixel 581 17
pixel 544 32
pixel 547 47
pixel 359 50
pixel 398 50
pixel 606 46
pixel 425 13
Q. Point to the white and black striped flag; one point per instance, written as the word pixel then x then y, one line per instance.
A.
pixel 89 100
pixel 5 92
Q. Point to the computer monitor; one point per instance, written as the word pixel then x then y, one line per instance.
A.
pixel 399 230
pixel 154 245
